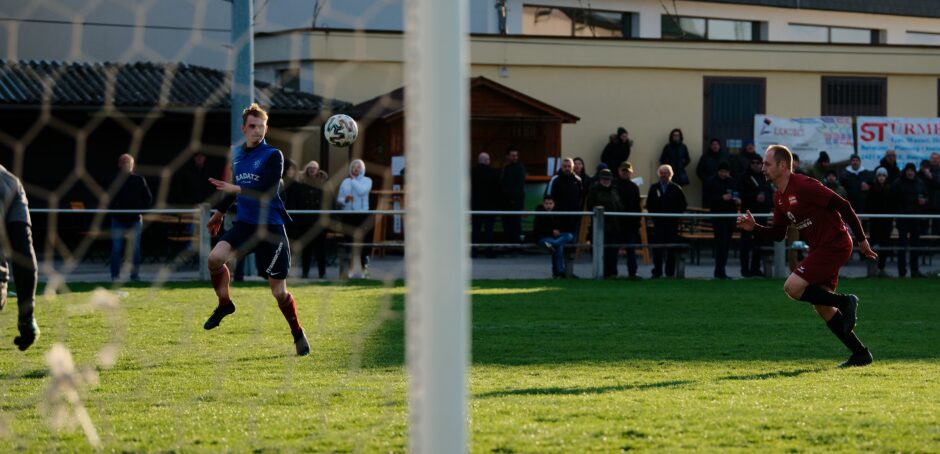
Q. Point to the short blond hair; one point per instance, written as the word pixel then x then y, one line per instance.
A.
pixel 254 110
pixel 781 154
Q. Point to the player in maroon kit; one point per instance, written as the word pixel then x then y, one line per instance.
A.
pixel 821 217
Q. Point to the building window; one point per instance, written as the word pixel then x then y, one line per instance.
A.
pixel 931 39
pixel 701 28
pixel 836 35
pixel 564 21
pixel 854 96
pixel 289 78
pixel 730 106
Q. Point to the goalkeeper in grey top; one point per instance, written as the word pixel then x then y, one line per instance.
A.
pixel 16 250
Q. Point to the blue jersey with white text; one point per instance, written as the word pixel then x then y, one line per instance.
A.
pixel 258 172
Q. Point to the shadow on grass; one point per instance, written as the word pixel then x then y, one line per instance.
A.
pixel 777 374
pixel 555 390
pixel 35 374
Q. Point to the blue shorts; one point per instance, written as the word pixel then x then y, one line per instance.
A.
pixel 267 241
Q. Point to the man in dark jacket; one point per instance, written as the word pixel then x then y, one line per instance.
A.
pixel 708 163
pixel 756 197
pixel 880 201
pixel 484 196
pixel 910 197
pixel 721 194
pixel 132 194
pixel 890 163
pixel 934 190
pixel 566 189
pixel 821 167
pixel 676 154
pixel 856 180
pixel 665 196
pixel 617 150
pixel 512 183
pixel 741 164
pixel 549 231
pixel 629 194
pixel 192 186
pixel 797 165
pixel 604 194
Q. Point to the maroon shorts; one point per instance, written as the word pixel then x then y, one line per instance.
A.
pixel 822 265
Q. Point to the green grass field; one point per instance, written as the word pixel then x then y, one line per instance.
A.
pixel 572 366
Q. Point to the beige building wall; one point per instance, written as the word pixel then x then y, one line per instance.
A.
pixel 649 87
pixel 911 96
pixel 778 20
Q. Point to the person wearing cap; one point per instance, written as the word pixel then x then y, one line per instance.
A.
pixel 629 194
pixel 879 201
pixel 708 164
pixel 721 196
pixel 797 165
pixel 856 180
pixel 831 181
pixel 604 194
pixel 890 163
pixel 819 169
pixel 909 196
pixel 597 176
pixel 617 149
pixel 665 196
pixel 757 197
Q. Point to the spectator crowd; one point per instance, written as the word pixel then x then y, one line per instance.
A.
pixel 731 183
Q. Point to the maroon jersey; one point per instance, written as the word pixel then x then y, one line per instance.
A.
pixel 807 204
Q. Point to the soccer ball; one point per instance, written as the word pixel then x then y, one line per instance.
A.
pixel 340 130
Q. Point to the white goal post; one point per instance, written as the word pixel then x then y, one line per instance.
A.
pixel 437 329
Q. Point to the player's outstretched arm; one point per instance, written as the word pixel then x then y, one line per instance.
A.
pixel 866 250
pixel 851 219
pixel 225 186
pixel 746 221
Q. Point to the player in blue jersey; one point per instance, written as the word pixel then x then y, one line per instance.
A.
pixel 259 223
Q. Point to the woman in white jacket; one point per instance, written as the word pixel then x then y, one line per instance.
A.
pixel 353 195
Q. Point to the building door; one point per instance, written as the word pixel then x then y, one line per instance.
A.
pixel 730 106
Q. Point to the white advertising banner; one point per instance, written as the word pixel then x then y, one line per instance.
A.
pixel 806 136
pixel 913 139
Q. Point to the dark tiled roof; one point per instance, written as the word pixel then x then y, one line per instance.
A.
pixel 139 85
pixel 392 103
pixel 380 106
pixel 915 8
